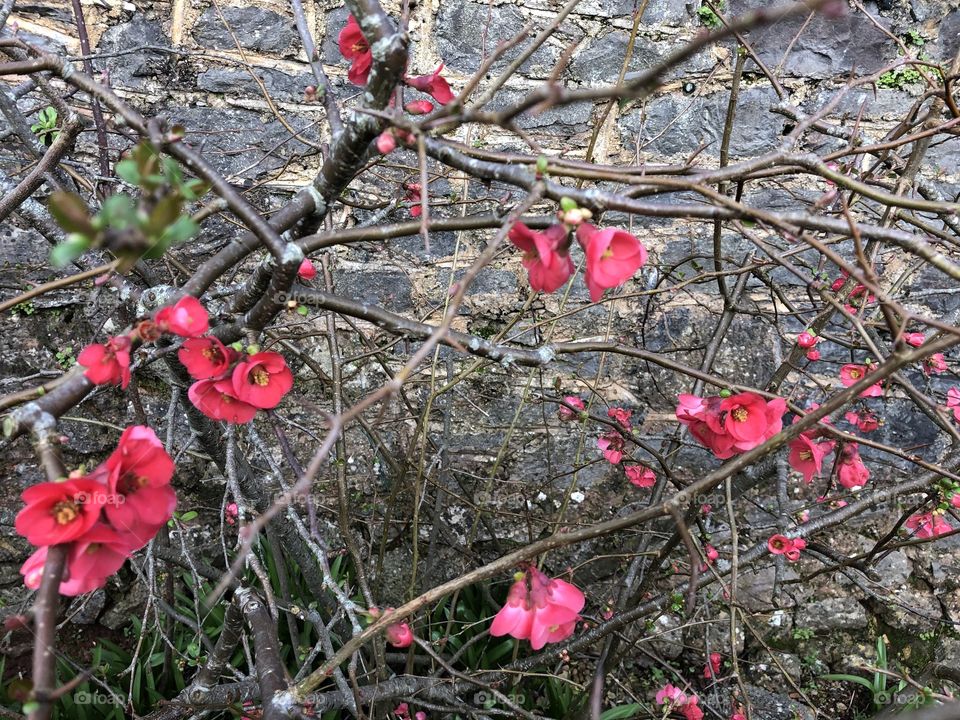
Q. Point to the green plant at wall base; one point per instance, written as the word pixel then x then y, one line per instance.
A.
pixel 899 78
pixel 708 17
pixel 46 126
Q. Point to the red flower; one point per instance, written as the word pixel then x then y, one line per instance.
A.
pixel 544 255
pixel 865 420
pixel 751 420
pixel 793 553
pixel 355 48
pixel 262 380
pixel 433 85
pixel 90 561
pixel 107 364
pixel 806 339
pixel 138 475
pixel 641 476
pixel 216 400
pixel 853 474
pixel 205 358
pixel 419 107
pixel 813 355
pixel 927 525
pixel 399 635
pixel 935 364
pixel 306 271
pixel 58 512
pixel 712 669
pixel 611 444
pixel 187 318
pixel 851 374
pixel 565 413
pixel 806 456
pixel 915 339
pixel 539 609
pixel 386 142
pixel 953 402
pixel 613 256
pixel 414 196
pixel 778 544
pixel 621 416
pixel 694 412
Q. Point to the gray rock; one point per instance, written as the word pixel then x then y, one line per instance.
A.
pixel 950 36
pixel 667 638
pixel 672 125
pixel 125 68
pixel 388 288
pixel 774 706
pixel 255 29
pixel 832 614
pixel 826 47
pixel 600 61
pixel 666 12
pixel 280 85
pixel 241 141
pixel 469 31
pixel 85 610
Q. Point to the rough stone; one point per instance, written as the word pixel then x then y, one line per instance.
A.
pixel 466 32
pixel 125 69
pixel 600 61
pixel 843 613
pixel 388 288
pixel 280 85
pixel 255 29
pixel 774 706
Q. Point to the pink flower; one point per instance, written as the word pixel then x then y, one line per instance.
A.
pixel 419 107
pixel 230 513
pixel 433 85
pixel 59 512
pixel 205 358
pixel 865 420
pixel 613 256
pixel 712 554
pixel 107 364
pixel 355 48
pixel 399 635
pixel 262 380
pixel 712 668
pixel 307 270
pixel 853 474
pixel 544 255
pixel 670 695
pixel 611 445
pixel 539 609
pixel 187 318
pixel 935 364
pixel 806 456
pixel 750 420
pixel 852 374
pixel 676 700
pixel 414 195
pixel 793 553
pixel 91 559
pixel 566 414
pixel 778 544
pixel 621 416
pixel 813 355
pixel 216 399
pixel 807 340
pixel 386 142
pixel 138 475
pixel 953 402
pixel 915 339
pixel 927 525
pixel 641 476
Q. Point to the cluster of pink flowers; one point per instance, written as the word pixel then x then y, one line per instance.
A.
pixel 231 389
pixel 788 547
pixel 398 634
pixel 402 711
pixel 928 525
pixel 675 700
pixel 859 293
pixel 808 340
pixel 103 516
pixel 810 448
pixel 539 609
pixel 612 256
pixel 731 424
pixel 109 363
pixel 851 374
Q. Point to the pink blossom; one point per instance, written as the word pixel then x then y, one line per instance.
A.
pixel 813 355
pixel 712 668
pixel 613 256
pixel 611 444
pixel 433 85
pixel 851 374
pixel 641 476
pixel 778 544
pixel 621 416
pixel 953 402
pixel 853 474
pixel 806 339
pixel 806 456
pixel 544 255
pixel 419 107
pixel 935 364
pixel 307 270
pixel 399 635
pixel 386 142
pixel 927 525
pixel 539 609
pixel 230 513
pixel 565 413
pixel 915 339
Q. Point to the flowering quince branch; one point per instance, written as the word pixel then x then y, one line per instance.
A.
pixel 855 349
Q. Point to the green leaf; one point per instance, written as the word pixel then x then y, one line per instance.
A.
pixel 69 250
pixel 118 211
pixel 71 213
pixel 621 711
pixel 188 516
pixel 850 678
pixel 127 170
